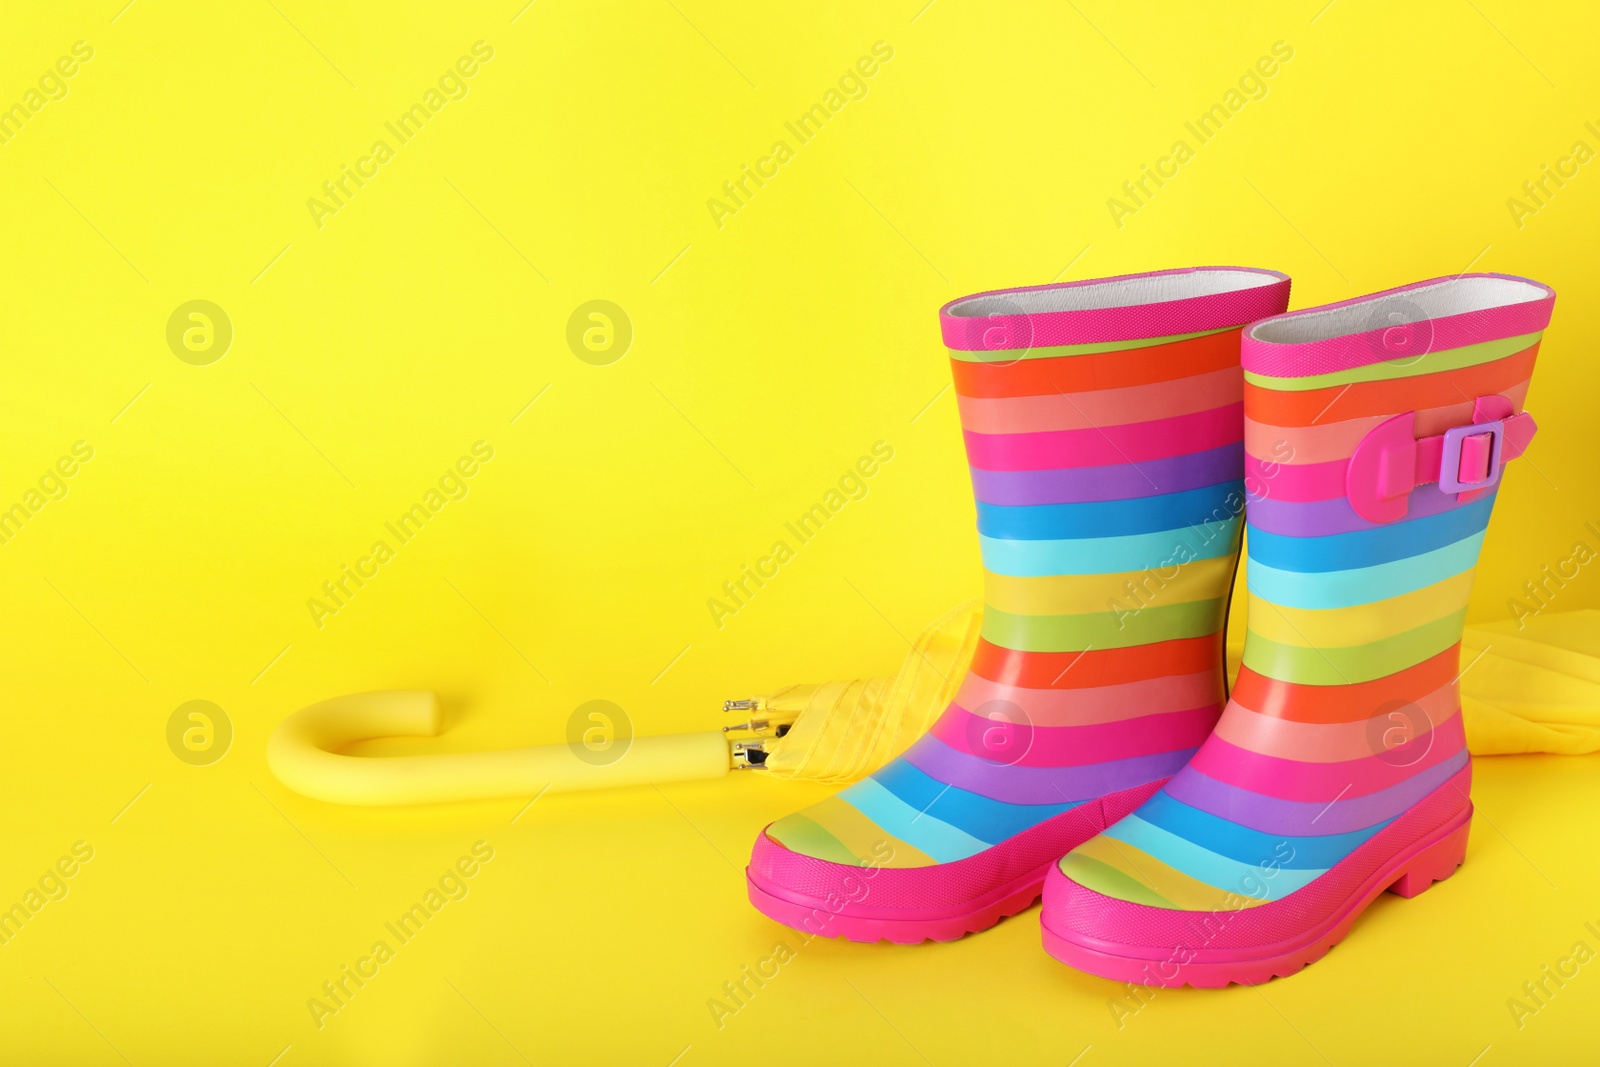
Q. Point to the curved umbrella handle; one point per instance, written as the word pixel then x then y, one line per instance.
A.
pixel 301 755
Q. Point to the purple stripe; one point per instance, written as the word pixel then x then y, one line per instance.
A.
pixel 1320 518
pixel 1039 785
pixel 1120 481
pixel 1300 818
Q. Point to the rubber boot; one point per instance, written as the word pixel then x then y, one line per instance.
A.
pixel 1376 431
pixel 1103 430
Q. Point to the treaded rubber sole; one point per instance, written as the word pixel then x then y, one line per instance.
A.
pixel 842 914
pixel 1432 858
pixel 816 919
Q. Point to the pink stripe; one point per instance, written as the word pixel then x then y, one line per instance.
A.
pixel 1290 779
pixel 1102 703
pixel 1102 407
pixel 986 333
pixel 1300 482
pixel 1317 742
pixel 1295 482
pixel 1139 930
pixel 1074 746
pixel 1336 440
pixel 1128 443
pixel 1363 349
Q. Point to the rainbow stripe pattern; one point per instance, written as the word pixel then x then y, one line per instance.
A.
pixel 1345 714
pixel 1106 453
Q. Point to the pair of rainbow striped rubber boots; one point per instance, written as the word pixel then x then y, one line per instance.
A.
pixel 1121 435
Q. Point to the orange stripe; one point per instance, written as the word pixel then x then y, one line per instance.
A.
pixel 1102 666
pixel 1339 402
pixel 1344 703
pixel 1100 370
pixel 1329 440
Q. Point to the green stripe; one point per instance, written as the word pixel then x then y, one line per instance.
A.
pixel 1109 882
pixel 803 834
pixel 1011 355
pixel 1357 663
pixel 1102 629
pixel 1428 363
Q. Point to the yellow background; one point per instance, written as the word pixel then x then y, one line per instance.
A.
pixel 768 354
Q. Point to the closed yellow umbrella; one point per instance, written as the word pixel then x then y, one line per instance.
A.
pixel 1530 685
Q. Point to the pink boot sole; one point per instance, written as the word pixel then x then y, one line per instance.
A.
pixel 1408 872
pixel 909 905
pixel 859 924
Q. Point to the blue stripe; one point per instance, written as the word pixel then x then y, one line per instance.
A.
pixel 1347 589
pixel 1203 865
pixel 982 817
pixel 1112 518
pixel 1241 843
pixel 1109 555
pixel 1368 548
pixel 925 833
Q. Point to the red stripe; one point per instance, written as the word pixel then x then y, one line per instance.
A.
pixel 1344 703
pixel 1337 403
pixel 1101 370
pixel 1101 666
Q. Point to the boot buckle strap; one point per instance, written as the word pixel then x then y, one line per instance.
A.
pixel 1470 458
pixel 1391 460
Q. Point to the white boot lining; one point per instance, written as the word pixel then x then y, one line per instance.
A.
pixel 1452 296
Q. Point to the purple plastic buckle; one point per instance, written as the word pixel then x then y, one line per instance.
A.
pixel 1455 439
